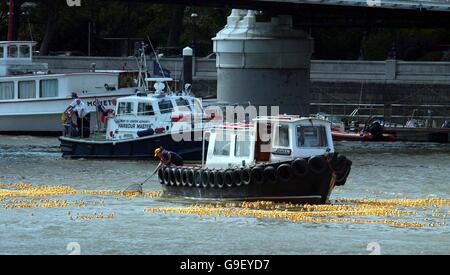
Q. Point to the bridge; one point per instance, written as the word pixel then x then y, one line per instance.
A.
pixel 342 13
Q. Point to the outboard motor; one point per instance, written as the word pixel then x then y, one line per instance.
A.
pixel 376 129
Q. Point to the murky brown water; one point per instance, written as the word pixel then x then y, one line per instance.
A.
pixel 109 223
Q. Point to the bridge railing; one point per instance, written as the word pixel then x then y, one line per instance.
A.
pixel 321 70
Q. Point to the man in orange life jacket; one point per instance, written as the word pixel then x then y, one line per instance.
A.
pixel 168 158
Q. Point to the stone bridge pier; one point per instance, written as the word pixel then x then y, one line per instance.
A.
pixel 264 63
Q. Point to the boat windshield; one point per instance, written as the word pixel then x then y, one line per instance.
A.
pixel 125 108
pixel 282 136
pixel 165 106
pixel 145 109
pixel 184 104
pixel 222 145
pixel 243 145
pixel 312 136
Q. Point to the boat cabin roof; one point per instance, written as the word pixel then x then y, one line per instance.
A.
pixel 30 43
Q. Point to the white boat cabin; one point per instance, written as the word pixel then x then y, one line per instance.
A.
pixel 160 112
pixel 268 139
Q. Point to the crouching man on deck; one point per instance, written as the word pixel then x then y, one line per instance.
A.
pixel 168 158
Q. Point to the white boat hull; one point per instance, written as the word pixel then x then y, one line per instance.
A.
pixel 43 117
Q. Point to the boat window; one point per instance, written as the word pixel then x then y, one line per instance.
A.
pixel 282 136
pixel 2 54
pixel 145 109
pixel 198 106
pixel 6 90
pixel 27 89
pixel 165 106
pixel 125 108
pixel 222 146
pixel 24 51
pixel 12 51
pixel 181 102
pixel 48 88
pixel 243 145
pixel 312 136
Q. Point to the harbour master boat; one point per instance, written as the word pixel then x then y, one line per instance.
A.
pixel 297 164
pixel 31 98
pixel 144 122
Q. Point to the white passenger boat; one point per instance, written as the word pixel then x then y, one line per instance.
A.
pixel 32 99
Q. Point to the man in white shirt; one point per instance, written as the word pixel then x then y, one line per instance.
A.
pixel 79 107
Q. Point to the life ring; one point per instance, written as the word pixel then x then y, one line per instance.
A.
pixel 184 177
pixel 167 175
pixel 246 176
pixel 300 167
pixel 190 177
pixel 178 177
pixel 237 178
pixel 285 173
pixel 228 178
pixel 317 164
pixel 257 175
pixel 270 175
pixel 161 176
pixel 220 179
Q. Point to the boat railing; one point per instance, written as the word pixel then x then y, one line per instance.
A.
pixel 435 115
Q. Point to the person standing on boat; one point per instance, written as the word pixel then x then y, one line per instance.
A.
pixel 79 108
pixel 168 158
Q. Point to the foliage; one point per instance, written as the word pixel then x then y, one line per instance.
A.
pixel 106 19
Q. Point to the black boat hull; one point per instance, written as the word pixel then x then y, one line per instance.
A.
pixel 312 185
pixel 139 148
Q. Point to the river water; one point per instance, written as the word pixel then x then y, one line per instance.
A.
pixel 383 177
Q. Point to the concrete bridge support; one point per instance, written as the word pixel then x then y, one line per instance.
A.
pixel 264 63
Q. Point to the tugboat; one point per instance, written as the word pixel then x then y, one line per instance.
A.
pixel 144 122
pixel 278 158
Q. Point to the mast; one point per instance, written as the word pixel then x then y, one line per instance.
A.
pixel 11 21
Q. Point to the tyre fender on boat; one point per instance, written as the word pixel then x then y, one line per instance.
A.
pixel 205 178
pixel 219 179
pixel 211 182
pixel 300 168
pixel 178 176
pixel 257 175
pixel 228 178
pixel 190 177
pixel 173 178
pixel 198 177
pixel 270 175
pixel 184 177
pixel 237 178
pixel 167 175
pixel 246 176
pixel 285 173
pixel 340 164
pixel 342 176
pixel 318 164
pixel 161 176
